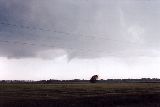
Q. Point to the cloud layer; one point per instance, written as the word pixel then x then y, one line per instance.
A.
pixel 83 28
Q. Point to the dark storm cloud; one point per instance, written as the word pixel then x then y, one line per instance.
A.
pixel 80 28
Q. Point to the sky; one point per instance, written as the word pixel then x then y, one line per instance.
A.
pixel 75 39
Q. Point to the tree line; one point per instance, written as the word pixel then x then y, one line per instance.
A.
pixel 92 80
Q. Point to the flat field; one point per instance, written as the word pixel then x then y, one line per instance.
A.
pixel 80 95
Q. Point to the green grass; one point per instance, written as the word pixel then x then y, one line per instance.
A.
pixel 75 90
pixel 100 93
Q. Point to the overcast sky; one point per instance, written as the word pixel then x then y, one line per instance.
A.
pixel 68 39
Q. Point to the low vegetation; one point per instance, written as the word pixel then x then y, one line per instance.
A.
pixel 80 95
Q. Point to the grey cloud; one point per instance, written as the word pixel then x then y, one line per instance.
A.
pixel 83 28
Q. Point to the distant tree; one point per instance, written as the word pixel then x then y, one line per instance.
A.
pixel 94 79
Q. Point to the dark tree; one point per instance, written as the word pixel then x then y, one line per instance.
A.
pixel 94 79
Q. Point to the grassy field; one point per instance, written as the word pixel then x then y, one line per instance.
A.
pixel 80 95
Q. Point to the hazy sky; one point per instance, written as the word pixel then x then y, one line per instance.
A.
pixel 68 39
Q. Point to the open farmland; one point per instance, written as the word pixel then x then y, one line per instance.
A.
pixel 80 95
